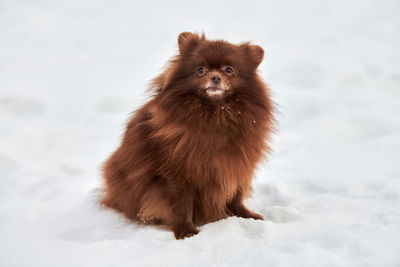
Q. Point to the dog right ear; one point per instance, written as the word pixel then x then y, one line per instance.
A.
pixel 187 41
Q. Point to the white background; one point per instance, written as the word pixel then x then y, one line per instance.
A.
pixel 72 71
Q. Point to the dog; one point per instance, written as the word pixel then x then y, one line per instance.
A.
pixel 188 155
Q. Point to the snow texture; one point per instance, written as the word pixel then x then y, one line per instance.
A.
pixel 72 71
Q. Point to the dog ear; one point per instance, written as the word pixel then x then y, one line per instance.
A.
pixel 257 53
pixel 187 41
pixel 254 53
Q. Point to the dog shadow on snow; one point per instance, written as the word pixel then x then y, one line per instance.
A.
pixel 88 221
pixel 274 203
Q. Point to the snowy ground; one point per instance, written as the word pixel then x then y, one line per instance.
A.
pixel 72 71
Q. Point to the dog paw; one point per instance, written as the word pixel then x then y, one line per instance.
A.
pixel 182 232
pixel 256 216
pixel 242 211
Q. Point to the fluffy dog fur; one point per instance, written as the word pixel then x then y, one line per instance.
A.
pixel 188 155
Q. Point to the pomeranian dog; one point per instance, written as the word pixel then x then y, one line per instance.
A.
pixel 189 154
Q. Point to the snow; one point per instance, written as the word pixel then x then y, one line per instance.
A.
pixel 72 71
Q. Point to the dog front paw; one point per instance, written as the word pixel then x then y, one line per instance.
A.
pixel 183 231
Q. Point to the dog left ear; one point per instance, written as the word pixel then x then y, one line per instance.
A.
pixel 187 41
pixel 254 52
pixel 257 53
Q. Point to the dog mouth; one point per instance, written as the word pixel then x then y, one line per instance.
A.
pixel 214 91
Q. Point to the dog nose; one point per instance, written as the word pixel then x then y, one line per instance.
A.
pixel 215 78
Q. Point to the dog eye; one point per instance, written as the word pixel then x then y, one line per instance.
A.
pixel 201 70
pixel 229 70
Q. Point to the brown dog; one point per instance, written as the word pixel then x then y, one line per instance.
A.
pixel 188 155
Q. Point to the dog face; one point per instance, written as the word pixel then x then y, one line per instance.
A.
pixel 214 70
